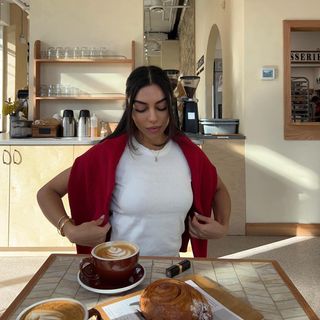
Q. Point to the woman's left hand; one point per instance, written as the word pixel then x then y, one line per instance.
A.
pixel 202 227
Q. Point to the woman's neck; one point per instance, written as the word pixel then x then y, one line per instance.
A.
pixel 153 145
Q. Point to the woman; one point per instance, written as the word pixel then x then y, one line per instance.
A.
pixel 146 183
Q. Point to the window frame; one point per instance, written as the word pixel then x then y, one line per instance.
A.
pixel 305 130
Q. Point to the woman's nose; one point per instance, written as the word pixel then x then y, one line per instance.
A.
pixel 152 115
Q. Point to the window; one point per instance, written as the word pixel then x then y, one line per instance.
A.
pixel 300 120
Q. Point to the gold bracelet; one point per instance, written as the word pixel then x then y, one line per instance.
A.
pixel 62 222
pixel 59 221
pixel 62 225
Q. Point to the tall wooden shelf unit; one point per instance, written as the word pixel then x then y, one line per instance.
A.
pixel 39 62
pixel 300 99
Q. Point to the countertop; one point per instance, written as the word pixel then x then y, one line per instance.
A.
pixel 6 140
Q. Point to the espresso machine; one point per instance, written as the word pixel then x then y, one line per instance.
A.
pixel 190 104
pixel 173 76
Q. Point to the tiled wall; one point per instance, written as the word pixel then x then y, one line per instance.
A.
pixel 187 41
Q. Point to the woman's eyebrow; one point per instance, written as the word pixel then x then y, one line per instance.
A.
pixel 142 102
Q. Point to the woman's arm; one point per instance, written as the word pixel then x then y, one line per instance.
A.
pixel 50 197
pixel 217 225
pixel 50 201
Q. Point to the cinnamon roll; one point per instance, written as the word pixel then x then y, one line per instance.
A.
pixel 172 299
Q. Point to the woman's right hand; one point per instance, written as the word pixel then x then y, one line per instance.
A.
pixel 87 234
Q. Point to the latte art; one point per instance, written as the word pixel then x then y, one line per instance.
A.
pixel 55 310
pixel 115 251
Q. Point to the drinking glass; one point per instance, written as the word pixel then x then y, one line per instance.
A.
pixel 76 52
pixel 60 52
pixel 43 90
pixel 51 53
pixel 103 52
pixel 84 52
pixel 94 52
pixel 52 91
pixel 68 53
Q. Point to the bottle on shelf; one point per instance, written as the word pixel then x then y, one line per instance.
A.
pixel 94 126
pixel 105 129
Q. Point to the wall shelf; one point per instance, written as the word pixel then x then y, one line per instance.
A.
pixel 39 63
pixel 108 96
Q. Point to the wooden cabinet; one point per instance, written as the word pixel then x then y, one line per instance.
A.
pixel 228 158
pixel 40 63
pixel 23 171
pixel 4 194
pixel 35 165
pixel 79 150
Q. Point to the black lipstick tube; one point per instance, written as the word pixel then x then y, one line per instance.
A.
pixel 178 268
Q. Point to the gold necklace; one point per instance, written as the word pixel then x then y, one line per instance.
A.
pixel 155 154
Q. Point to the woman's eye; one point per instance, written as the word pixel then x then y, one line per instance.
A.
pixel 140 110
pixel 139 107
pixel 162 108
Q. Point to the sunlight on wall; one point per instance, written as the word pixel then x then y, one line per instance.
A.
pixel 267 247
pixel 282 166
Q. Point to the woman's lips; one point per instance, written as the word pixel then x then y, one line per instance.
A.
pixel 153 129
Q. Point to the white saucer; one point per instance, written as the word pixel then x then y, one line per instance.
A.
pixel 113 290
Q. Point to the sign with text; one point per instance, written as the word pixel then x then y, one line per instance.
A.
pixel 305 56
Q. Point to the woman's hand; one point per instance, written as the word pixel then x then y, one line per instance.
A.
pixel 202 227
pixel 87 234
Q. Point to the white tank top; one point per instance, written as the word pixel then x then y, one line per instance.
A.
pixel 151 199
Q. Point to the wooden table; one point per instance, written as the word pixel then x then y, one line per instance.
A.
pixel 261 283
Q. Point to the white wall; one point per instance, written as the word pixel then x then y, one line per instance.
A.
pixel 96 23
pixel 282 177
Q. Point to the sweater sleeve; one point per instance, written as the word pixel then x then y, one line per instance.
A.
pixel 91 182
pixel 204 183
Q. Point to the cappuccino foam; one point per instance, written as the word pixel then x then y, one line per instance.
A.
pixel 116 251
pixel 58 310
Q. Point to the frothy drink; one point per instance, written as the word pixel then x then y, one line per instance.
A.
pixel 115 251
pixel 59 310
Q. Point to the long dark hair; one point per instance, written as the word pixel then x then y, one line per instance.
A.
pixel 138 79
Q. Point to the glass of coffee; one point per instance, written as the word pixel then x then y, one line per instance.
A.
pixel 57 308
pixel 112 261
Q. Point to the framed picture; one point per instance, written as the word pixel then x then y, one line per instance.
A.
pixel 268 73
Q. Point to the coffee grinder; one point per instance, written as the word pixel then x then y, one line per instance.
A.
pixel 190 106
pixel 173 76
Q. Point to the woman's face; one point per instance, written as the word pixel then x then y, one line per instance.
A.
pixel 150 115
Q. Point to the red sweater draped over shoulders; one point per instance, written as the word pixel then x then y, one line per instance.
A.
pixel 92 181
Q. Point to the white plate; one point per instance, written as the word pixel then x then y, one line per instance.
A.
pixel 112 291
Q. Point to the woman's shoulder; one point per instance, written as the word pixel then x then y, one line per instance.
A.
pixel 106 149
pixel 193 153
pixel 186 143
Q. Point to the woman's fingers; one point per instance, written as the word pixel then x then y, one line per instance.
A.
pixel 202 218
pixel 193 230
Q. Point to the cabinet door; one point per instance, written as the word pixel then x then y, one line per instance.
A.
pixel 4 194
pixel 31 168
pixel 79 150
